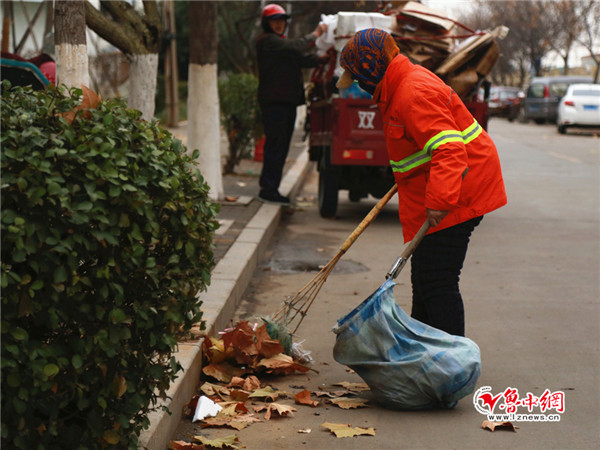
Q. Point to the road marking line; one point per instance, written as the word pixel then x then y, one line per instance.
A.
pixel 565 157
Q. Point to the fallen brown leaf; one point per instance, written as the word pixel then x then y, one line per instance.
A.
pixel 341 430
pixel 350 403
pixel 214 349
pixel 238 422
pixel 268 393
pixel 282 364
pixel 267 347
pixel 190 408
pixel 250 383
pixel 90 100
pixel 303 398
pixel 182 445
pixel 281 410
pixel 232 408
pixel 332 394
pixel 488 424
pixel 211 389
pixel 354 387
pixel 222 372
pixel 239 395
pixel 227 441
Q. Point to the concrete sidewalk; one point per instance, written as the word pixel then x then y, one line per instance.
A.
pixel 230 278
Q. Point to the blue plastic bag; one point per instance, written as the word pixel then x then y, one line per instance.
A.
pixel 408 365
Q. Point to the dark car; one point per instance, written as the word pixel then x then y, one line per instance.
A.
pixel 544 94
pixel 504 101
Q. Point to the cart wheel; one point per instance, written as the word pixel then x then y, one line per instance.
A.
pixel 328 193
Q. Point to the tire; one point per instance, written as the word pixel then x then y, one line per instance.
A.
pixel 562 129
pixel 328 193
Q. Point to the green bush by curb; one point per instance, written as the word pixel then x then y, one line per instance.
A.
pixel 106 241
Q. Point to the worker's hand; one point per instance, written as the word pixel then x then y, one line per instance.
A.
pixel 321 28
pixel 435 217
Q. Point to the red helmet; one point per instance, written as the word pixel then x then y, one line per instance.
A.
pixel 273 11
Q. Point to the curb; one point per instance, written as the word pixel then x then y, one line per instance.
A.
pixel 229 280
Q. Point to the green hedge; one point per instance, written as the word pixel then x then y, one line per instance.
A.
pixel 240 115
pixel 106 240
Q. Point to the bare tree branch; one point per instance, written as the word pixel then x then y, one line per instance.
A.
pixel 129 31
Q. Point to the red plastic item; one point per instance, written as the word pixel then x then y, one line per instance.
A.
pixel 259 147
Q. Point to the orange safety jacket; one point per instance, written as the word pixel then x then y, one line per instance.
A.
pixel 441 157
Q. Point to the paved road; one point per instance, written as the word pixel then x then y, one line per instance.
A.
pixel 531 289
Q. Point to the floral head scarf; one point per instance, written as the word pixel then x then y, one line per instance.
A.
pixel 367 55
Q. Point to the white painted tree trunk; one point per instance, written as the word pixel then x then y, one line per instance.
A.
pixel 204 125
pixel 72 65
pixel 142 83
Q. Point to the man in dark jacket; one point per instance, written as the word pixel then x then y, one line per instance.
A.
pixel 280 92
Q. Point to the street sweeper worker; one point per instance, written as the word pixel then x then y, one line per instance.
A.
pixel 280 92
pixel 445 165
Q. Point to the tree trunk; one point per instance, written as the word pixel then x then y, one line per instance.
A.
pixel 142 83
pixel 203 97
pixel 171 73
pixel 70 44
pixel 138 36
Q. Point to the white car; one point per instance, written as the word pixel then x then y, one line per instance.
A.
pixel 580 107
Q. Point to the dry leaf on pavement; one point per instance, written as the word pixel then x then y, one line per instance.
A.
pixel 354 387
pixel 211 389
pixel 282 364
pixel 350 403
pixel 188 410
pixel 268 393
pixel 239 395
pixel 332 394
pixel 214 349
pixel 282 410
pixel 341 430
pixel 267 347
pixel 303 398
pixel 227 441
pixel 488 424
pixel 233 408
pixel 222 372
pixel 250 383
pixel 182 445
pixel 237 422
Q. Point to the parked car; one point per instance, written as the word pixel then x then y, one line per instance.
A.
pixel 544 94
pixel 580 107
pixel 504 102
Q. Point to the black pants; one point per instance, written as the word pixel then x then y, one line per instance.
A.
pixel 278 121
pixel 435 272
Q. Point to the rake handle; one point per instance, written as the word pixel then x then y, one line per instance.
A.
pixel 368 219
pixel 412 245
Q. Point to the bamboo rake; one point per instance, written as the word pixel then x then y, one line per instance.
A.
pixel 298 306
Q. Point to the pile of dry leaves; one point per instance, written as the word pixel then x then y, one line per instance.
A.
pixel 234 364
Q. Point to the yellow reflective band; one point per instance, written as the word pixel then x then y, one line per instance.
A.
pixel 443 137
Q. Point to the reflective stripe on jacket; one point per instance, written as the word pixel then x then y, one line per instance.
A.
pixel 432 140
pixel 443 137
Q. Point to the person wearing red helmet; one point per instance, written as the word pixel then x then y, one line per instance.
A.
pixel 280 92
